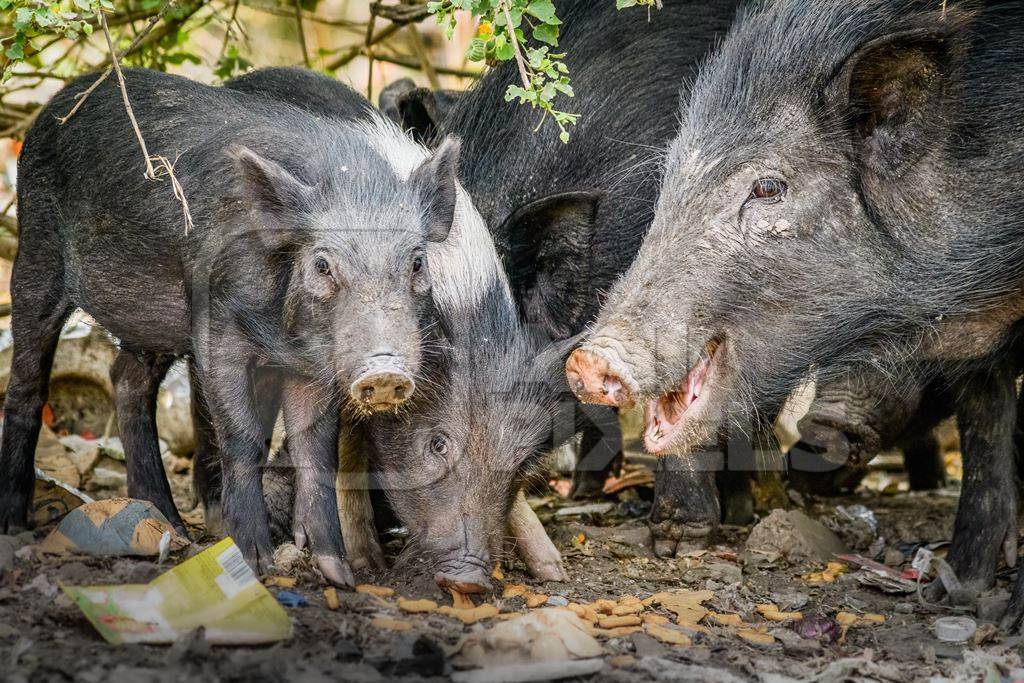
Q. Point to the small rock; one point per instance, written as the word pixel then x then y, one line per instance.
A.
pixel 558 601
pixel 904 607
pixel 646 646
pixel 793 643
pixel 41 584
pixel 111 476
pixel 795 536
pixel 893 557
pixel 719 573
pixel 790 600
pixel 991 606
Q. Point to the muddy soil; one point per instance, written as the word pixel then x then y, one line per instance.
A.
pixel 43 637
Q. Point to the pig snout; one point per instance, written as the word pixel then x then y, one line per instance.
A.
pixel 593 379
pixel 383 385
pixel 464 574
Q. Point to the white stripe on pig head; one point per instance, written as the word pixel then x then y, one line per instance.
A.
pixel 464 266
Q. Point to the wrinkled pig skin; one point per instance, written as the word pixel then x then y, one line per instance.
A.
pixel 252 289
pixel 851 200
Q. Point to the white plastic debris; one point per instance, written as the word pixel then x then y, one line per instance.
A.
pixel 955 629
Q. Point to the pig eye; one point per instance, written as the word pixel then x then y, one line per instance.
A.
pixel 439 445
pixel 769 189
pixel 417 264
pixel 322 266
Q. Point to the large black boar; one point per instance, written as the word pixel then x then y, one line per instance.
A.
pixel 306 263
pixel 843 189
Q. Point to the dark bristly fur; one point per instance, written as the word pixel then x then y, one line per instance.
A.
pixel 896 125
pixel 275 194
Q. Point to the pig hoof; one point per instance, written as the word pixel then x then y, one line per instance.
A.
pixel 336 571
pixel 1013 620
pixel 552 571
pixel 459 584
pixel 368 557
pixel 213 517
pixel 13 516
pixel 673 537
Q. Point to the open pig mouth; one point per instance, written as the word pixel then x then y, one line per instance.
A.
pixel 667 417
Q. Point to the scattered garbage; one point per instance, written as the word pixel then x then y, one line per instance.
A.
pixel 550 635
pixel 216 590
pixel 855 513
pixel 955 629
pixel 291 599
pixel 590 509
pixel 882 577
pixel 53 499
pixel 818 627
pixel 119 526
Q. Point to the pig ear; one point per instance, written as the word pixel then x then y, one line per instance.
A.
pixel 435 180
pixel 547 244
pixel 419 111
pixel 271 189
pixel 893 88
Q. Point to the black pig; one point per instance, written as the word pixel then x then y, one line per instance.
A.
pixel 843 191
pixel 306 263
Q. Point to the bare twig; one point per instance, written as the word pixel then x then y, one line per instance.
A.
pixel 302 34
pixel 520 60
pixel 150 172
pixel 421 53
pixel 84 95
pixel 417 64
pixel 369 55
pixel 356 50
pixel 227 32
pixel 165 167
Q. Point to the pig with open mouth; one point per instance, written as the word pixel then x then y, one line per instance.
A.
pixel 844 192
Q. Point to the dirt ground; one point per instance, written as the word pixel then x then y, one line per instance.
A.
pixel 44 637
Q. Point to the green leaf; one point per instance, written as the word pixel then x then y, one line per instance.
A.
pixel 623 4
pixel 543 10
pixel 546 33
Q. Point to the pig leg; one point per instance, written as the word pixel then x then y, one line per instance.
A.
pixel 228 390
pixel 922 459
pixel 985 524
pixel 312 427
pixel 686 510
pixel 136 379
pixel 206 467
pixel 600 451
pixel 533 545
pixel 39 309
pixel 355 507
pixel 1013 620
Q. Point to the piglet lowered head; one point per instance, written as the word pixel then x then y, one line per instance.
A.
pixel 454 462
pixel 358 307
pixel 821 208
